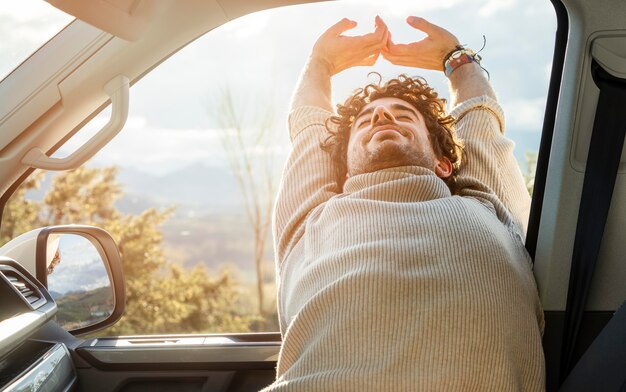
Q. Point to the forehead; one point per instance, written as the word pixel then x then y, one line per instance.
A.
pixel 390 103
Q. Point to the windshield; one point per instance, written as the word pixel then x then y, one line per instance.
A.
pixel 25 26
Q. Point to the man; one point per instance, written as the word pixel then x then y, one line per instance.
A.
pixel 401 266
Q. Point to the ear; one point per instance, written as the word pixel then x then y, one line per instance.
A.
pixel 443 169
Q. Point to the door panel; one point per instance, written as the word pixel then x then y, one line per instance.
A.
pixel 237 362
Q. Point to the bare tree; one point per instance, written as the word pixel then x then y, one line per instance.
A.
pixel 247 140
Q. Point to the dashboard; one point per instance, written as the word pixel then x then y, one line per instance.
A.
pixel 28 364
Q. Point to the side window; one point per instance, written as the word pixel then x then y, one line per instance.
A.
pixel 187 188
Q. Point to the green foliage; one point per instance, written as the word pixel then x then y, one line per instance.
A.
pixel 182 302
pixel 161 297
pixel 20 215
pixel 82 196
pixel 78 309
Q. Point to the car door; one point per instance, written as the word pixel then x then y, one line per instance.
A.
pixel 557 227
pixel 131 38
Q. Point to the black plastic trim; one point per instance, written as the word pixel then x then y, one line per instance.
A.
pixel 547 131
pixel 85 353
pixel 12 265
pixel 4 268
pixel 592 323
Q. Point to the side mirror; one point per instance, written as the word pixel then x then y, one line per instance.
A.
pixel 81 268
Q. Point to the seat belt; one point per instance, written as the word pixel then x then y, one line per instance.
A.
pixel 603 366
pixel 605 150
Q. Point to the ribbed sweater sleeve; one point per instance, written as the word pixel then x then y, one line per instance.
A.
pixel 489 155
pixel 308 177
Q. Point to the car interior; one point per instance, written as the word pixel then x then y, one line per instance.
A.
pixel 577 213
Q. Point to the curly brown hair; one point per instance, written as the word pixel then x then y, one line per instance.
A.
pixel 416 92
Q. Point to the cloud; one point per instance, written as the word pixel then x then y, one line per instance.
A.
pixel 158 150
pixel 492 7
pixel 525 114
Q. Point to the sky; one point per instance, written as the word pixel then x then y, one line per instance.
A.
pixel 24 26
pixel 259 57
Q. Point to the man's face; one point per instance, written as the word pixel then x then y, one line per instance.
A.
pixel 389 132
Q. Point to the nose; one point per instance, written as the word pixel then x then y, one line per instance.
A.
pixel 382 115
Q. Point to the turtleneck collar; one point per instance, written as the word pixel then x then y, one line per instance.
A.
pixel 398 184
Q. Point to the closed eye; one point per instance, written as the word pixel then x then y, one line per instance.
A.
pixel 363 122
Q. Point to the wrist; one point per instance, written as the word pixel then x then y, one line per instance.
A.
pixel 459 57
pixel 467 82
pixel 321 63
pixel 462 74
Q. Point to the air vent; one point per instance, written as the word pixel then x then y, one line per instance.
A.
pixel 30 293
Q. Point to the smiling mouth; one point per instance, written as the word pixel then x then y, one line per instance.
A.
pixel 386 133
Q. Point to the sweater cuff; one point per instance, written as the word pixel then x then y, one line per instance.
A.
pixel 482 102
pixel 305 116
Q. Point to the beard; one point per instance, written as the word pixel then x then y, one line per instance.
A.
pixel 387 155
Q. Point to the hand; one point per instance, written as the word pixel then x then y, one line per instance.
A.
pixel 427 53
pixel 340 52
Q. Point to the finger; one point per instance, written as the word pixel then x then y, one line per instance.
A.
pixel 385 38
pixel 379 32
pixel 423 25
pixel 381 43
pixel 379 23
pixel 377 37
pixel 343 25
pixel 391 46
pixel 388 43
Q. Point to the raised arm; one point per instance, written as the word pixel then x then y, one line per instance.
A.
pixel 331 54
pixel 480 121
pixel 309 176
pixel 466 82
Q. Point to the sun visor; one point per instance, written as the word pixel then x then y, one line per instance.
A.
pixel 127 19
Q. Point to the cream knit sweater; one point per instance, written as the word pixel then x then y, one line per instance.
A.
pixel 395 284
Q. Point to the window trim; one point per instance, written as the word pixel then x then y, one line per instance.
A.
pixel 545 144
